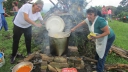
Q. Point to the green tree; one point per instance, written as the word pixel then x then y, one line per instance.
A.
pixel 98 7
pixel 124 3
pixel 119 9
pixel 9 7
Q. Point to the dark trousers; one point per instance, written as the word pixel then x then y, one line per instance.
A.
pixel 17 32
pixel 4 22
pixel 100 63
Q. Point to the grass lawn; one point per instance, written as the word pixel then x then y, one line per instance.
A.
pixel 119 28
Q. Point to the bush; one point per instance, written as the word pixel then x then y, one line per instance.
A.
pixel 9 7
pixel 123 16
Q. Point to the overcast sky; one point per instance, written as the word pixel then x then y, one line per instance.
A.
pixel 96 2
pixel 104 2
pixel 48 4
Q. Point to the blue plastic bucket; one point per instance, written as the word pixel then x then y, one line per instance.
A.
pixel 1 55
pixel 2 61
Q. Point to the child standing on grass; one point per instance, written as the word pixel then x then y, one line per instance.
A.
pixel 5 14
pixel 15 9
pixel 110 14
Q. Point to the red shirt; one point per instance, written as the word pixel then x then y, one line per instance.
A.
pixel 104 10
pixel 109 11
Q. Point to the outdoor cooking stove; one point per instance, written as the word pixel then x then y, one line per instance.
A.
pixel 45 62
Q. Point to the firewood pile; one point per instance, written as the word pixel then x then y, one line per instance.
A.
pixel 48 63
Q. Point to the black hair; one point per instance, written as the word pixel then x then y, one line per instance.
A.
pixel 92 10
pixel 95 11
pixel 99 13
pixel 108 8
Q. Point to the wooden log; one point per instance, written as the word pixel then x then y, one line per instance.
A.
pixel 74 60
pixel 59 59
pixel 109 67
pixel 116 66
pixel 120 52
pixel 51 68
pixel 120 70
pixel 58 70
pixel 44 57
pixel 73 48
pixel 50 59
pixel 59 65
pixel 29 57
pixel 89 59
pixel 20 61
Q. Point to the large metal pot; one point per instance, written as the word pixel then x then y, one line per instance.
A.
pixel 59 43
pixel 16 67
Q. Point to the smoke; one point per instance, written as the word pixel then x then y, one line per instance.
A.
pixel 71 18
pixel 40 37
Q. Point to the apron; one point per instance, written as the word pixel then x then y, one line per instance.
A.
pixel 100 42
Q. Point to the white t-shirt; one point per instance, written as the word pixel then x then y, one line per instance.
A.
pixel 19 19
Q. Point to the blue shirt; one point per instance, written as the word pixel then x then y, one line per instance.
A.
pixel 101 23
pixel 15 13
pixel 1 6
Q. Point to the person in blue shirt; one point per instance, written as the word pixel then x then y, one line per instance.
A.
pixel 3 22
